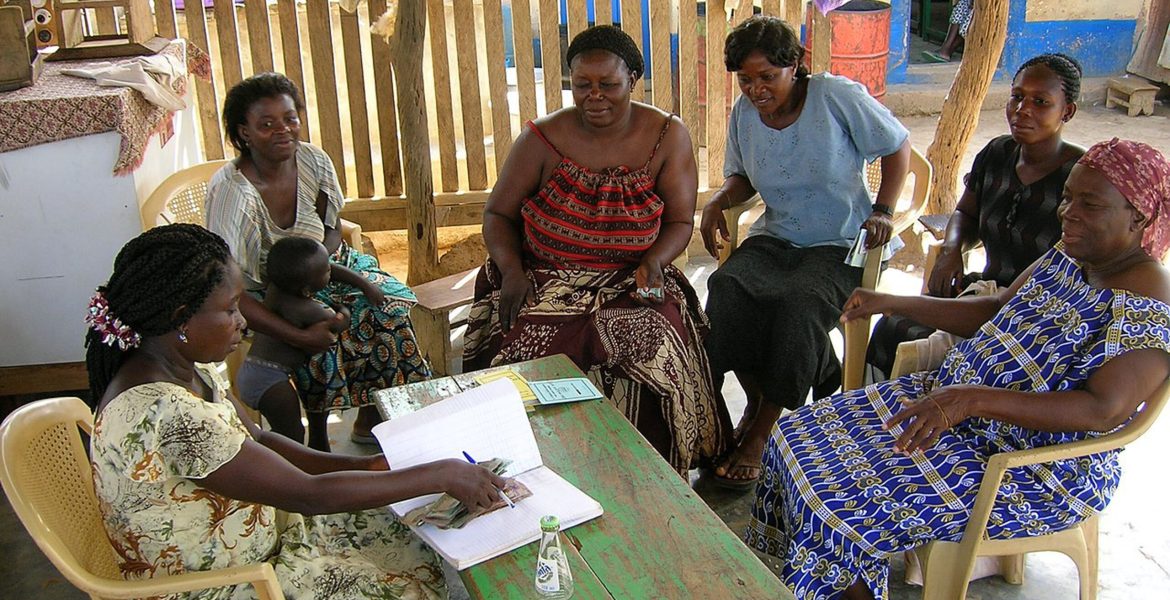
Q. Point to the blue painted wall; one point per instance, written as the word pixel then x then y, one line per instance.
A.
pixel 1102 47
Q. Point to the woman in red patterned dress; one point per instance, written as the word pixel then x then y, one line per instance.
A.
pixel 593 203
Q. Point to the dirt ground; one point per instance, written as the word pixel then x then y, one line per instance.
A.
pixel 462 247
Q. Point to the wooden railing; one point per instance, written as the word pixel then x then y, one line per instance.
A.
pixel 470 111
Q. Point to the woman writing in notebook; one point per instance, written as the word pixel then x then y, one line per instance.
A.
pixel 186 482
pixel 593 203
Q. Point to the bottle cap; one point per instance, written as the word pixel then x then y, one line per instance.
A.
pixel 550 523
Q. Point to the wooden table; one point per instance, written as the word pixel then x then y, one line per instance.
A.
pixel 657 538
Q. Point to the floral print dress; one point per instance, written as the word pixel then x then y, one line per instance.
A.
pixel 153 444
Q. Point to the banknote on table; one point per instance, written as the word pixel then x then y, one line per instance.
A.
pixel 449 513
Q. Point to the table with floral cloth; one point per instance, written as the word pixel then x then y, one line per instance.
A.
pixel 59 107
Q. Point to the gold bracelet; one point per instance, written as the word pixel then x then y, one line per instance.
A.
pixel 941 411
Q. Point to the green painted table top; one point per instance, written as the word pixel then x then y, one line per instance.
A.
pixel 657 538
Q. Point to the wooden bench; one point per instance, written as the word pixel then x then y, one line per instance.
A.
pixel 437 300
pixel 1134 93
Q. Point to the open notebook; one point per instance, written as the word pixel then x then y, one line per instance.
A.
pixel 486 422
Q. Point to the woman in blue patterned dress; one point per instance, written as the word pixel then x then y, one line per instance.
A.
pixel 1069 350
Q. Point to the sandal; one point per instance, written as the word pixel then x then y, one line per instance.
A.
pixel 733 483
pixel 365 439
pixel 934 57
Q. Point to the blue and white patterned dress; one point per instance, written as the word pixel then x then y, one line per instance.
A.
pixel 835 500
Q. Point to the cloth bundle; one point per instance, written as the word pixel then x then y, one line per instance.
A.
pixel 152 76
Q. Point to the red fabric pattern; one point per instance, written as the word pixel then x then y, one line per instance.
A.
pixel 1142 175
pixel 596 220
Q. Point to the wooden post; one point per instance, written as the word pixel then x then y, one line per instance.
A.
pixel 406 56
pixel 822 37
pixel 960 111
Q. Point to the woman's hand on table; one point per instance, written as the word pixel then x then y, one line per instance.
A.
pixel 650 282
pixel 473 485
pixel 879 226
pixel 947 274
pixel 713 227
pixel 925 419
pixel 516 291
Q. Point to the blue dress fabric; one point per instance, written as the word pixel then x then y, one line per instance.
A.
pixel 835 500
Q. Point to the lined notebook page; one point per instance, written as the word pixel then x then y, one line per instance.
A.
pixel 486 422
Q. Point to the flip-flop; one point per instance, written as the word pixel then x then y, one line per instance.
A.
pixel 366 439
pixel 730 483
pixel 934 57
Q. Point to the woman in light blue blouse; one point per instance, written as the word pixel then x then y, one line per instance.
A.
pixel 801 142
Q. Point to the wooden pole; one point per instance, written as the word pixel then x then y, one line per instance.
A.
pixel 960 111
pixel 406 58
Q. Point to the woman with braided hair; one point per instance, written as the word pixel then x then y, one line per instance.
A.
pixel 1009 205
pixel 278 187
pixel 592 205
pixel 187 482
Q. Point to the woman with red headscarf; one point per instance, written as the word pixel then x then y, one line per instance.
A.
pixel 1069 350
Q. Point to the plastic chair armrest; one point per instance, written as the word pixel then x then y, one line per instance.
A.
pixel 260 575
pixel 352 233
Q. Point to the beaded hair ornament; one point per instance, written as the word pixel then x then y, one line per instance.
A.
pixel 114 332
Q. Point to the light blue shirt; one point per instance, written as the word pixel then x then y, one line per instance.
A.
pixel 811 174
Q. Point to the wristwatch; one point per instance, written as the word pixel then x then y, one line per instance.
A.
pixel 885 210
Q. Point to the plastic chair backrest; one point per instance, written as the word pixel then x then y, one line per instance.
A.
pixel 46 475
pixel 180 197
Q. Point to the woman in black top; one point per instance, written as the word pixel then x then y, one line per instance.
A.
pixel 1012 193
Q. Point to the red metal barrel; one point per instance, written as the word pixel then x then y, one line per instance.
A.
pixel 860 43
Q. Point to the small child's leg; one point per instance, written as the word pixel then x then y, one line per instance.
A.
pixel 318 430
pixel 281 407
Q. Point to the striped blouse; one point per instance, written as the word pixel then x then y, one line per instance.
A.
pixel 236 212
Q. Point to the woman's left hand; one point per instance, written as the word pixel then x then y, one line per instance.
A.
pixel 879 226
pixel 925 419
pixel 650 282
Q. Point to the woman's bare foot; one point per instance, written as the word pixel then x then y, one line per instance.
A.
pixel 742 467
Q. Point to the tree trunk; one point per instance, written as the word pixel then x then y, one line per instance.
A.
pixel 960 112
pixel 406 56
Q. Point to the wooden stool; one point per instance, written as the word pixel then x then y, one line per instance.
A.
pixel 1134 93
pixel 431 317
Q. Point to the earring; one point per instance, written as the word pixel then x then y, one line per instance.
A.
pixel 183 336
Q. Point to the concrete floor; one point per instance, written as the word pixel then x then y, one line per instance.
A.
pixel 1135 537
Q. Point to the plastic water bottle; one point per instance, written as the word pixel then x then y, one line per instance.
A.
pixel 553 578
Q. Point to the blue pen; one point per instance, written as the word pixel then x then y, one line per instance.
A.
pixel 502 494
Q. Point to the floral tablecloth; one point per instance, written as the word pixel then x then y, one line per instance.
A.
pixel 59 107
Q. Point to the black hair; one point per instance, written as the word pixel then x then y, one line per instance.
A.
pixel 245 93
pixel 610 39
pixel 160 280
pixel 288 262
pixel 1063 66
pixel 769 35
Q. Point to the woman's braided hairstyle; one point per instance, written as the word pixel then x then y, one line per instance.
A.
pixel 155 275
pixel 770 36
pixel 1063 66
